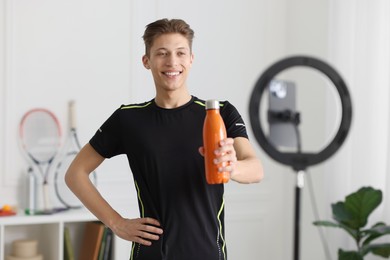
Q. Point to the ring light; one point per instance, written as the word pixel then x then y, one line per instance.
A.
pixel 300 161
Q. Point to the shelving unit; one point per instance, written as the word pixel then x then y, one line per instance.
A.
pixel 49 231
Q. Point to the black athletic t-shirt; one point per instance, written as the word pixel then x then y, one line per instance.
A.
pixel 162 149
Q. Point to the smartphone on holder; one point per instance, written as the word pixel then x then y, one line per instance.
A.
pixel 282 100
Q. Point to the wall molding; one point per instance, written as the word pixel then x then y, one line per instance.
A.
pixel 9 177
pixel 2 88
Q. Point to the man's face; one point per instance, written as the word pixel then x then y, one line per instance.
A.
pixel 170 60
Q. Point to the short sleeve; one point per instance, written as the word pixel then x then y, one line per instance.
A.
pixel 235 126
pixel 107 139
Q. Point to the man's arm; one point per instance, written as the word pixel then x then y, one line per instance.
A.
pixel 242 162
pixel 247 168
pixel 77 178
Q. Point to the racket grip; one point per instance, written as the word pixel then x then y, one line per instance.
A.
pixel 72 116
pixel 46 199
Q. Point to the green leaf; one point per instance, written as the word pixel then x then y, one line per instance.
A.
pixel 377 249
pixel 357 207
pixel 326 223
pixel 378 230
pixel 340 213
pixel 362 203
pixel 349 255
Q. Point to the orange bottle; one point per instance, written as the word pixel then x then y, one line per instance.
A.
pixel 213 132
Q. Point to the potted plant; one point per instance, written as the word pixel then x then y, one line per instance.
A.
pixel 351 215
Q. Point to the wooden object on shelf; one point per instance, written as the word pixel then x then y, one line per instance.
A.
pixel 90 245
pixel 25 249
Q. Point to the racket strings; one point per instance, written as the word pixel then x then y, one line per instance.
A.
pixel 41 136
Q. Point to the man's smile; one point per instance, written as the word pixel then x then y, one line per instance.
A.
pixel 172 73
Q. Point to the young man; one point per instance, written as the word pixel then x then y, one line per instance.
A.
pixel 182 217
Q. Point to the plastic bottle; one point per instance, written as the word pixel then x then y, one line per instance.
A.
pixel 213 132
pixel 32 192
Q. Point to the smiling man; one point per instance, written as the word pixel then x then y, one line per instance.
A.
pixel 170 60
pixel 181 216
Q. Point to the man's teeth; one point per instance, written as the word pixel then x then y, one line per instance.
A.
pixel 172 73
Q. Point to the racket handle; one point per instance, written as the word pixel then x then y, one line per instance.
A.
pixel 32 192
pixel 46 199
pixel 72 114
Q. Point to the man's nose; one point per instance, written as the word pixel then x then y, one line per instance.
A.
pixel 171 60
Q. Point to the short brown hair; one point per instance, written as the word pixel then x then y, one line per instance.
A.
pixel 164 26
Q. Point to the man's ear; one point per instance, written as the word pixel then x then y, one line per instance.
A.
pixel 192 58
pixel 145 61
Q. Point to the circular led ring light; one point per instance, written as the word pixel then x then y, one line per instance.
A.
pixel 300 161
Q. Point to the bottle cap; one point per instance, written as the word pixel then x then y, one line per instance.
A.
pixel 212 104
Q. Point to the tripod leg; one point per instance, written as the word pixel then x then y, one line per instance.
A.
pixel 299 186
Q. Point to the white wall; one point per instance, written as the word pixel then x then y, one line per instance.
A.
pixel 360 47
pixel 56 51
pixel 90 51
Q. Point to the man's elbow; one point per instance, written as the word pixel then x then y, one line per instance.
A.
pixel 68 179
pixel 259 176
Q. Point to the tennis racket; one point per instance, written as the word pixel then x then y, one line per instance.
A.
pixel 40 138
pixel 71 148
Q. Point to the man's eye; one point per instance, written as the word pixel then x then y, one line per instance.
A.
pixel 162 54
pixel 181 53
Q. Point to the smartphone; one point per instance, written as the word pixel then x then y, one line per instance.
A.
pixel 282 97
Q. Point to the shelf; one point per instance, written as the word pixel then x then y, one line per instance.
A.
pixel 47 229
pixel 65 216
